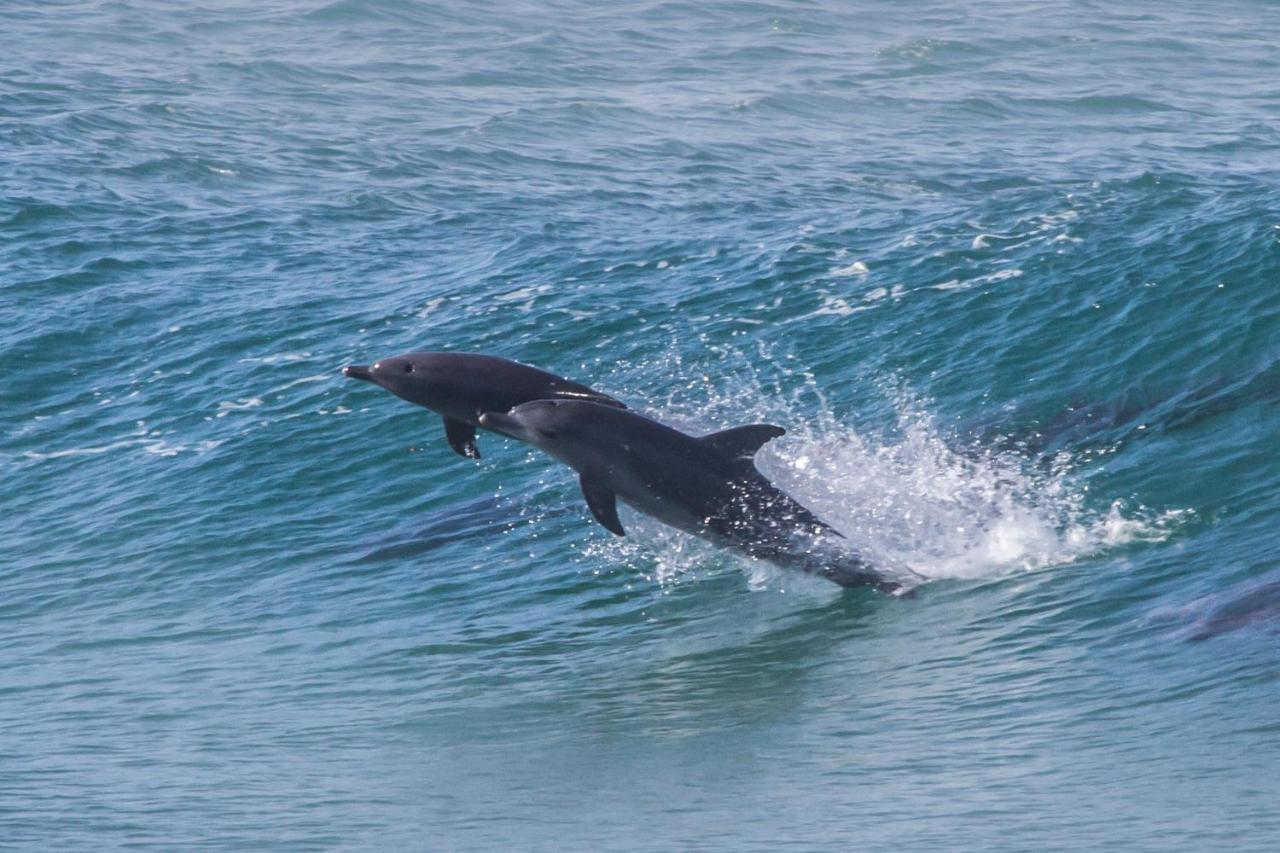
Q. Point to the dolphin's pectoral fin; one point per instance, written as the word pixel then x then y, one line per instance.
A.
pixel 462 438
pixel 743 442
pixel 603 504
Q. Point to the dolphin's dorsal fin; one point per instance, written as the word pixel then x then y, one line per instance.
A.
pixel 462 438
pixel 742 442
pixel 602 502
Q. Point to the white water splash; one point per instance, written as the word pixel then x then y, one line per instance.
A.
pixel 154 446
pixel 914 502
pixel 911 499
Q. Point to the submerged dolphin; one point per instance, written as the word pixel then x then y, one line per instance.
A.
pixel 1257 605
pixel 706 486
pixel 460 386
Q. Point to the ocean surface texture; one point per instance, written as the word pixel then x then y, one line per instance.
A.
pixel 1008 273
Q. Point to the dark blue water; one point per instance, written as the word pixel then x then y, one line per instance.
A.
pixel 1009 275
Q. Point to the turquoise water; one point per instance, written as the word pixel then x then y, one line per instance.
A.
pixel 1009 274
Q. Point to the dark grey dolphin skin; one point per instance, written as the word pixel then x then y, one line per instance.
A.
pixel 460 386
pixel 1258 604
pixel 706 486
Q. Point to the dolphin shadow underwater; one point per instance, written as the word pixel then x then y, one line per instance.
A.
pixel 708 486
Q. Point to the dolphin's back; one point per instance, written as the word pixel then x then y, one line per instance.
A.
pixel 710 478
pixel 511 383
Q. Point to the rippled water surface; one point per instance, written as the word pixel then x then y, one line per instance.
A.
pixel 1009 274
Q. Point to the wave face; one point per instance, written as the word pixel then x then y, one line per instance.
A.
pixel 1009 276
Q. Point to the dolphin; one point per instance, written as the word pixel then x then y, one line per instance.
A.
pixel 460 386
pixel 708 486
pixel 1258 604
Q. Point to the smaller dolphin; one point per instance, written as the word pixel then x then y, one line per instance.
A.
pixel 460 386
pixel 706 486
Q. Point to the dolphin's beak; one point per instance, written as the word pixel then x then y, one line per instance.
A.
pixel 358 371
pixel 499 422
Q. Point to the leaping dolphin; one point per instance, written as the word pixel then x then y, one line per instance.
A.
pixel 460 386
pixel 706 486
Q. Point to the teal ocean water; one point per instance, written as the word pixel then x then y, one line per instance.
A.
pixel 1009 275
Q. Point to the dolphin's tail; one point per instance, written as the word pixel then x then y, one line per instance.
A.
pixel 833 559
pixel 857 573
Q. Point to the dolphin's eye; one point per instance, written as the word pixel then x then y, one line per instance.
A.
pixel 408 368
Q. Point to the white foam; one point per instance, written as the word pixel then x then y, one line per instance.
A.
pixel 908 498
pixel 315 377
pixel 990 278
pixel 276 358
pixel 839 306
pixel 430 307
pixel 522 293
pixel 226 407
pixel 855 268
pixel 80 451
pixel 912 499
pixel 154 446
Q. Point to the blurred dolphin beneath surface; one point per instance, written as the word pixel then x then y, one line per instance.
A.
pixel 1257 605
